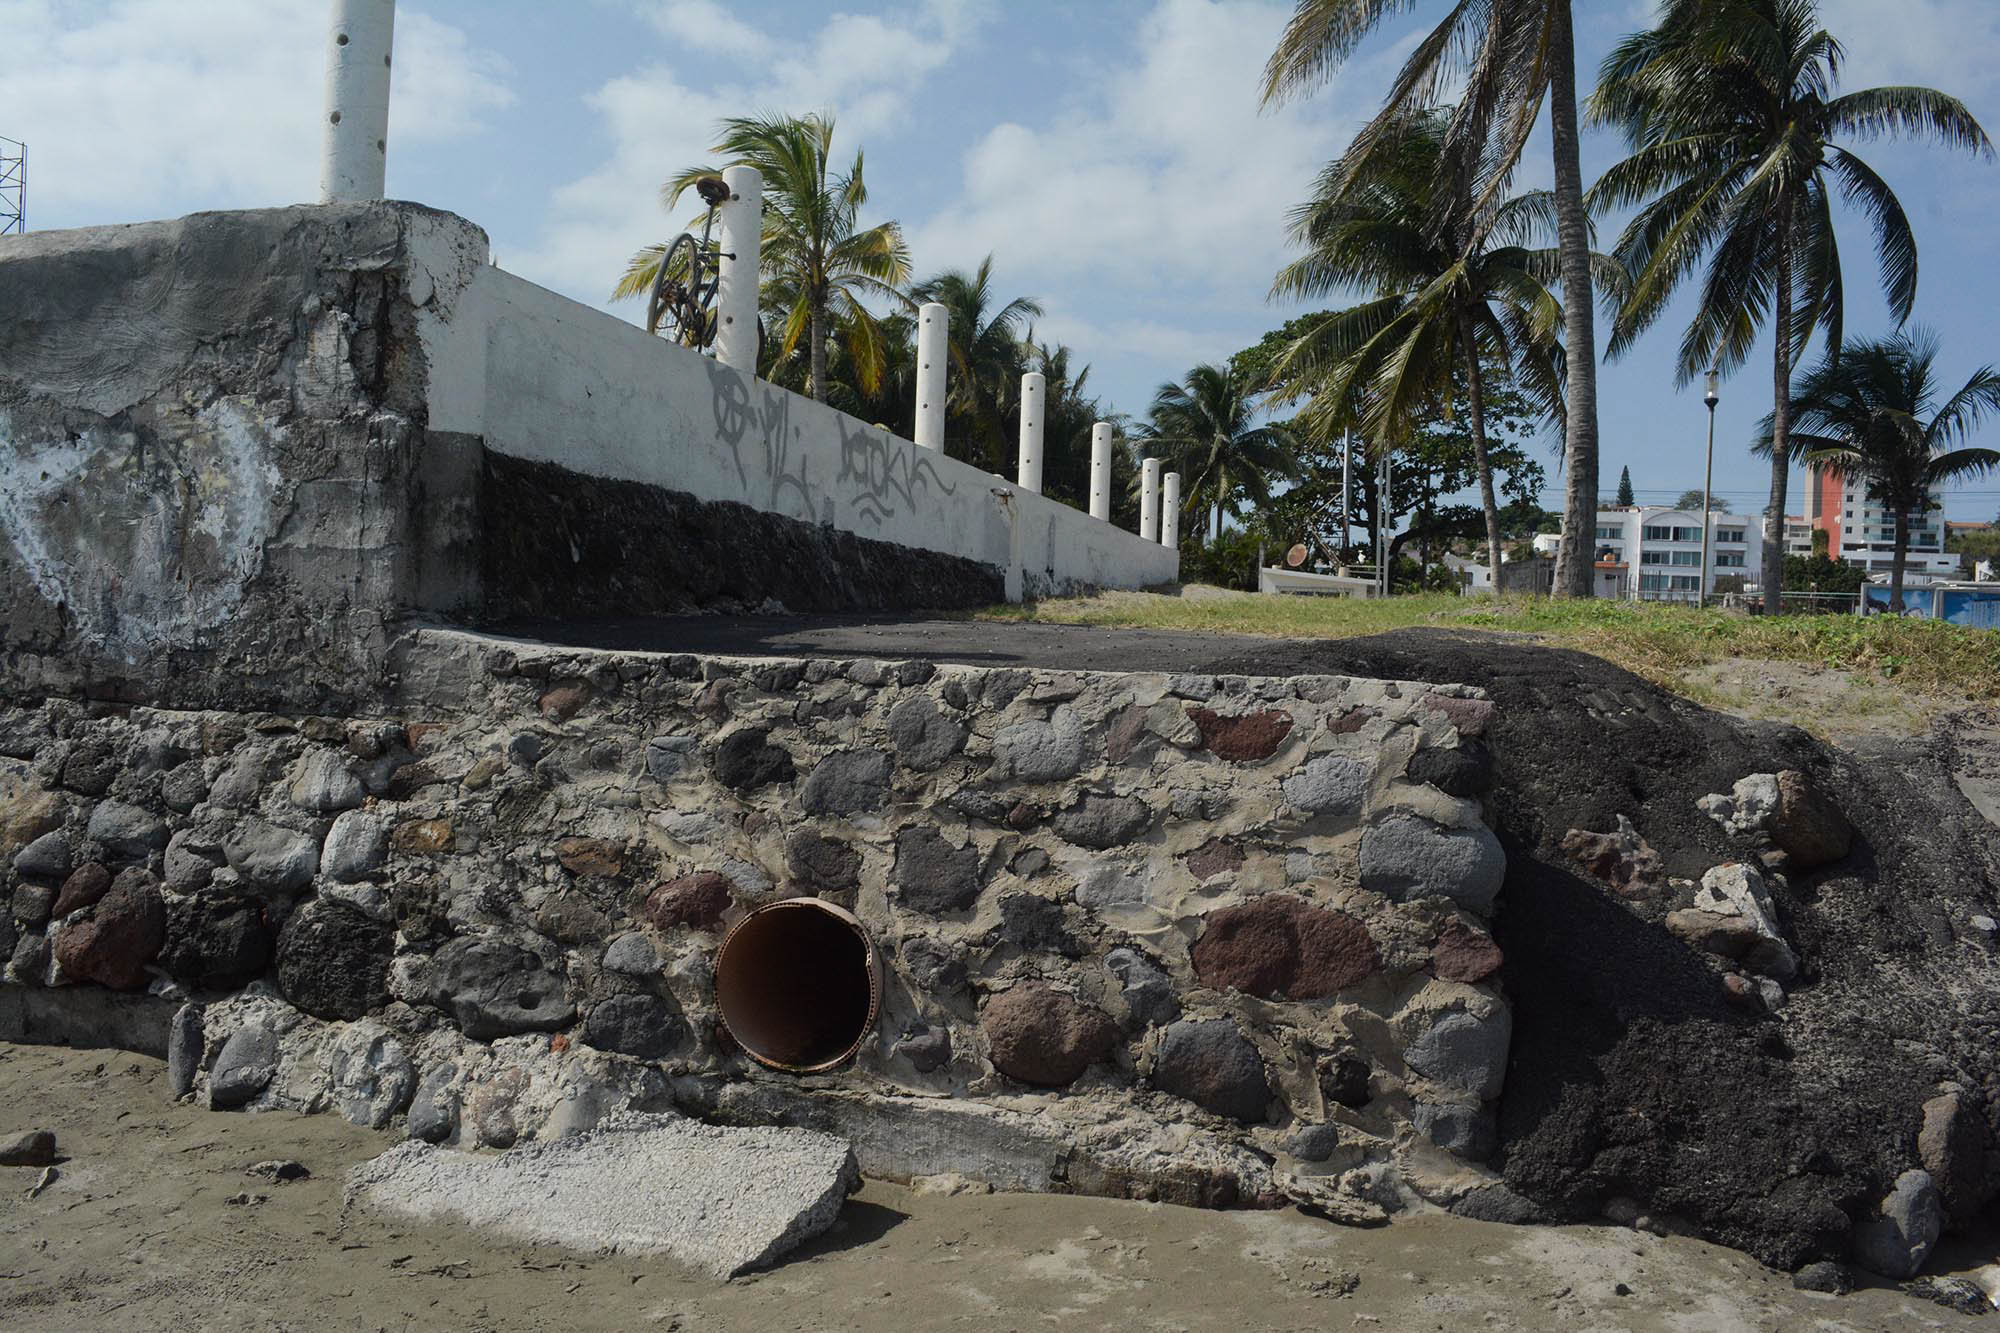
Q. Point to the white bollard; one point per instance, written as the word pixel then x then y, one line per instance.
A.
pixel 1100 471
pixel 933 350
pixel 354 154
pixel 1170 511
pixel 1034 388
pixel 736 281
pixel 1149 500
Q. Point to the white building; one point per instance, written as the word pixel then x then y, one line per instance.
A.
pixel 1862 532
pixel 1649 553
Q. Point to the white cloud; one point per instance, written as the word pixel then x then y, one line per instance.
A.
pixel 707 26
pixel 144 107
pixel 1165 179
pixel 865 69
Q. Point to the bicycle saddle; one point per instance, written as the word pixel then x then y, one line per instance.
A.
pixel 712 190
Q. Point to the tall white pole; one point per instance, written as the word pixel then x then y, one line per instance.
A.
pixel 933 350
pixel 1382 527
pixel 1149 500
pixel 354 153
pixel 1100 471
pixel 1170 511
pixel 1028 474
pixel 736 281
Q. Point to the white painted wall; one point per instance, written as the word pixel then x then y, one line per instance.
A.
pixel 541 377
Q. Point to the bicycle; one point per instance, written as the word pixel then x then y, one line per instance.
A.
pixel 683 296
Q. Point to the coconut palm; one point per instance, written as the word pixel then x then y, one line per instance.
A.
pixel 1453 286
pixel 818 262
pixel 1872 412
pixel 988 357
pixel 1500 58
pixel 1730 111
pixel 1203 429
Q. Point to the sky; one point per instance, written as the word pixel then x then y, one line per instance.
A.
pixel 1110 154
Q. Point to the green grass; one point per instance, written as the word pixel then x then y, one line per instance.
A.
pixel 1662 643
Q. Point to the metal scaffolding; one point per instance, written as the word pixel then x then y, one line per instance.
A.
pixel 13 185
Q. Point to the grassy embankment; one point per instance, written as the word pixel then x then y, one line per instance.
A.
pixel 1899 671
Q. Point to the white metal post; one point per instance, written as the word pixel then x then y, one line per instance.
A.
pixel 1100 471
pixel 742 215
pixel 933 350
pixel 1028 473
pixel 1346 492
pixel 354 154
pixel 1170 511
pixel 1149 500
pixel 1382 527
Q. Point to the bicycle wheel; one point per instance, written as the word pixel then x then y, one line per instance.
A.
pixel 668 307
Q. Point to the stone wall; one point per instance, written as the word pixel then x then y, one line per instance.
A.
pixel 1213 939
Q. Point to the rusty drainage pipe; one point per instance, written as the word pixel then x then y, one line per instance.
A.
pixel 798 985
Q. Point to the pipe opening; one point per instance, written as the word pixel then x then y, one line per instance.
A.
pixel 798 985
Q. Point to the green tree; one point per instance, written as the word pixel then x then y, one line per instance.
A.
pixel 1692 498
pixel 1455 289
pixel 988 357
pixel 1501 58
pixel 1730 112
pixel 1872 411
pixel 1204 428
pixel 1625 487
pixel 818 261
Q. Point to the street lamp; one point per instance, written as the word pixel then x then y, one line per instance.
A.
pixel 1707 480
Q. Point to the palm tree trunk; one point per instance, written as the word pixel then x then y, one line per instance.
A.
pixel 1897 562
pixel 818 336
pixel 1573 579
pixel 1772 575
pixel 1476 396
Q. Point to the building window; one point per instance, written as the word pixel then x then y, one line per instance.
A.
pixel 1729 534
pixel 1658 534
pixel 1652 557
pixel 1687 558
pixel 1609 533
pixel 1687 534
pixel 1729 560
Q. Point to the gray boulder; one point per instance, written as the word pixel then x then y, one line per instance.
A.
pixel 1330 784
pixel 127 831
pixel 185 1047
pixel 245 1065
pixel 1897 1243
pixel 1464 1052
pixel 1405 857
pixel 847 782
pixel 47 857
pixel 1101 822
pixel 933 876
pixel 434 1107
pixel 646 1027
pixel 372 1075
pixel 270 859
pixel 1036 751
pixel 495 988
pixel 1149 994
pixel 1214 1066
pixel 323 783
pixel 924 737
pixel 356 846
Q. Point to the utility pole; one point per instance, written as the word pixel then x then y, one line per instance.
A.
pixel 1707 480
pixel 1346 491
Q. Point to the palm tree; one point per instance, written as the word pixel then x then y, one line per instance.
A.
pixel 987 356
pixel 1202 428
pixel 1453 286
pixel 817 261
pixel 1872 412
pixel 1502 57
pixel 1730 112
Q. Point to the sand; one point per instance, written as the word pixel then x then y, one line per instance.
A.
pixel 140 1231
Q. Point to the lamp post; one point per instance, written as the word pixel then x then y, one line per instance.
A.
pixel 1707 479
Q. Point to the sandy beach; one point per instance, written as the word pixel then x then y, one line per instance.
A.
pixel 153 1223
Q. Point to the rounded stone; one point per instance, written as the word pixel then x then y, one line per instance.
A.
pixel 924 738
pixel 243 1068
pixel 119 936
pixel 631 955
pixel 215 943
pixel 1464 954
pixel 847 782
pixel 434 1107
pixel 1896 1243
pixel 47 857
pixel 1465 769
pixel 184 786
pixel 1807 824
pixel 1149 992
pixel 820 865
pixel 1463 1131
pixel 356 846
pixel 271 859
pixel 85 885
pixel 1405 857
pixel 1243 738
pixel 323 783
pixel 1036 751
pixel 1277 946
pixel 372 1075
pixel 1211 1064
pixel 1331 784
pixel 1464 1052
pixel 127 831
pixel 185 1047
pixel 333 961
pixel 1039 1035
pixel 1100 822
pixel 493 987
pixel 746 760
pixel 646 1027
pixel 932 875
pixel 698 900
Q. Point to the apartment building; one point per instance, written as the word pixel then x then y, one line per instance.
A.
pixel 1650 553
pixel 1861 532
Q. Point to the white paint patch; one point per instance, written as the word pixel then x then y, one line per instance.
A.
pixel 145 545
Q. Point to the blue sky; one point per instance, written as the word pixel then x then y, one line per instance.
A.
pixel 1110 154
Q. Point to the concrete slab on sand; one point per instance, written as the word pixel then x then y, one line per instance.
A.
pixel 722 1201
